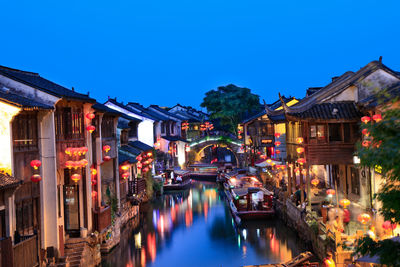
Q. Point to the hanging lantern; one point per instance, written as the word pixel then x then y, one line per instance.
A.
pixel 125 175
pixel 76 177
pixel 277 135
pixel 301 161
pixel 299 140
pixel 149 154
pixel 304 171
pixel 277 152
pixel 297 171
pixel 277 143
pixel 150 160
pixel 377 144
pixel 366 143
pixel 69 164
pixel 125 167
pixel 36 164
pixel 90 116
pixel 269 160
pixel 344 202
pixel 290 165
pixel 377 117
pixel 315 182
pixel 330 192
pixel 106 148
pixel 36 178
pixel 94 182
pixel 107 158
pixel 139 165
pixel 93 171
pixel 364 218
pixel 74 151
pixel 145 169
pixel 365 132
pixel 83 163
pixel 389 225
pixel 94 194
pixel 90 128
pixel 300 150
pixel 366 119
pixel 68 151
pixel 139 158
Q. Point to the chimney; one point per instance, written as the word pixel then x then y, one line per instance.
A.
pixel 335 78
pixel 380 59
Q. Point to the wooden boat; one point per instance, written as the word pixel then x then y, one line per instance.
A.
pixel 178 186
pixel 251 203
pixel 205 172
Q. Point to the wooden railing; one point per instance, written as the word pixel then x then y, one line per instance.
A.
pixel 26 253
pixel 102 218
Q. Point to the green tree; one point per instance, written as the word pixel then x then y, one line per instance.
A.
pixel 229 104
pixel 381 149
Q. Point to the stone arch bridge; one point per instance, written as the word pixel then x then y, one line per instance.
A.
pixel 233 145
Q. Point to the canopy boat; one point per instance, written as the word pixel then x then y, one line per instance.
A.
pixel 249 203
pixel 180 181
pixel 206 172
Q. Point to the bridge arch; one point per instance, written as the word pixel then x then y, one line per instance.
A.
pixel 230 144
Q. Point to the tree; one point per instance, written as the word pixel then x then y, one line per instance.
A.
pixel 229 104
pixel 381 149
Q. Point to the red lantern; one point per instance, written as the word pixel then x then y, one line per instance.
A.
pixel 139 165
pixel 300 150
pixel 84 150
pixel 83 163
pixel 36 178
pixel 377 117
pixel 107 158
pixel 93 171
pixel 125 167
pixel 125 175
pixel 69 164
pixel 145 169
pixel 299 140
pixel 366 119
pixel 90 116
pixel 76 177
pixel 315 182
pixel 301 161
pixel 364 218
pixel 94 182
pixel 139 158
pixel 304 171
pixel 277 135
pixel 277 152
pixel 68 151
pixel 297 171
pixel 149 154
pixel 94 194
pixel 389 225
pixel 277 143
pixel 366 143
pixel 330 192
pixel 344 202
pixel 36 163
pixel 365 132
pixel 106 148
pixel 90 128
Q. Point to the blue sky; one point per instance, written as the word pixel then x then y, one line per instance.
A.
pixel 167 52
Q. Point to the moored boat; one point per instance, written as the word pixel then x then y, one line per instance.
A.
pixel 205 172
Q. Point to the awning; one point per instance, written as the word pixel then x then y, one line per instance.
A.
pixel 140 145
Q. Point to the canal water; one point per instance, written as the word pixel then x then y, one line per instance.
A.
pixel 195 228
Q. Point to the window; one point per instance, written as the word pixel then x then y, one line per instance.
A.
pixel 355 181
pixel 163 127
pixel 317 132
pixel 25 132
pixel 172 126
pixel 313 131
pixel 133 130
pixel 107 127
pixel 335 132
pixel 346 133
pixel 124 137
pixel 69 124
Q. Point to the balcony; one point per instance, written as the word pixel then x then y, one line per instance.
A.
pixel 102 218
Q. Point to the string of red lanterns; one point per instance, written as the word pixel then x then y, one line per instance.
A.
pixel 35 164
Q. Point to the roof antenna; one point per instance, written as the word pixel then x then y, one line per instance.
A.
pixel 380 59
pixel 73 89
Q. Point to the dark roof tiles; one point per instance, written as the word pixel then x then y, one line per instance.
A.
pixel 22 102
pixel 7 181
pixel 327 111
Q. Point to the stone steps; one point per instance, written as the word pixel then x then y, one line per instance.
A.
pixel 73 251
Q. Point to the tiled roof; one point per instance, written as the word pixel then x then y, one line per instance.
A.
pixel 123 157
pixel 132 110
pixel 374 100
pixel 130 149
pixel 105 109
pixel 174 138
pixel 147 112
pixel 140 145
pixel 38 82
pixel 22 102
pixel 166 113
pixel 326 111
pixel 7 181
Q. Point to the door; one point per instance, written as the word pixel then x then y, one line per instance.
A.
pixel 71 210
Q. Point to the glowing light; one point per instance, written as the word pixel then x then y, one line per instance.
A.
pixel 315 182
pixel 364 218
pixel 93 171
pixel 36 178
pixel 90 116
pixel 301 161
pixel 330 192
pixel 94 194
pixel 366 119
pixel 7 112
pixel 106 148
pixel 277 143
pixel 277 135
pixel 107 158
pixel 344 202
pixel 76 177
pixel 125 167
pixel 244 233
pixel 300 150
pixel 36 164
pixel 299 140
pixel 70 164
pixel 377 117
pixel 389 225
pixel 277 152
pixel 90 128
pixel 365 132
pixel 366 143
pixel 304 171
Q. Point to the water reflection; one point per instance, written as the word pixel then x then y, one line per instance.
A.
pixel 195 228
